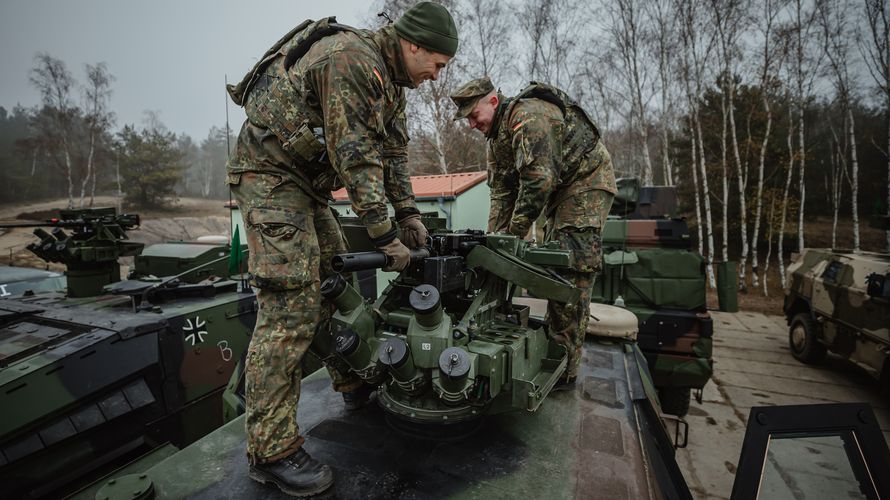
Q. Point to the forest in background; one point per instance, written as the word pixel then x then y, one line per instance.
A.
pixel 764 113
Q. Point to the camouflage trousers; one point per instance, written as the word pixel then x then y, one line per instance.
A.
pixel 568 322
pixel 291 238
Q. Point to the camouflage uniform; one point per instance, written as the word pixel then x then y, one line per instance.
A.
pixel 349 84
pixel 546 157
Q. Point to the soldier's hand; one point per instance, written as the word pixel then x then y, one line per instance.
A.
pixel 521 232
pixel 399 255
pixel 414 233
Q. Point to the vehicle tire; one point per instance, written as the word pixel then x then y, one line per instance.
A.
pixel 803 339
pixel 674 400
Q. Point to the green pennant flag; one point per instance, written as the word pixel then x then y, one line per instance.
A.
pixel 235 255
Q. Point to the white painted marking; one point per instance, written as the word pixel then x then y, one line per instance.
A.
pixel 196 329
pixel 224 350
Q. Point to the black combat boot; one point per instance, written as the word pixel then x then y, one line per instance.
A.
pixel 358 398
pixel 297 475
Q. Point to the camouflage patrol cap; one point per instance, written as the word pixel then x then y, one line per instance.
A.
pixel 469 94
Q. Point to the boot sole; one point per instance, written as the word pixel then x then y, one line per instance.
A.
pixel 263 478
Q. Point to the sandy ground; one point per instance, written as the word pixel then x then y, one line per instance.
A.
pixel 188 219
pixel 753 366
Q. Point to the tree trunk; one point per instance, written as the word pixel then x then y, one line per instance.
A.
pixel 802 184
pixel 837 159
pixel 86 177
pixel 120 192
pixel 647 161
pixel 68 174
pixel 93 189
pixel 706 196
pixel 790 174
pixel 769 245
pixel 725 179
pixel 698 219
pixel 855 187
pixel 759 206
pixel 34 161
pixel 440 152
pixel 742 183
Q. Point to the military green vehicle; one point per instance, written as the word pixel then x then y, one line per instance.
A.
pixel 649 268
pixel 840 301
pixel 439 356
pixel 464 372
pixel 16 281
pixel 100 374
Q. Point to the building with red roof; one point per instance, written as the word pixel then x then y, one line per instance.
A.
pixel 462 199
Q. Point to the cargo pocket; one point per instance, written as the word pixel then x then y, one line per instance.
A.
pixel 280 249
pixel 586 247
pixel 233 178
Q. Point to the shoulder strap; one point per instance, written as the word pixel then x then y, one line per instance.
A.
pixel 545 93
pixel 555 96
pixel 239 92
pixel 293 46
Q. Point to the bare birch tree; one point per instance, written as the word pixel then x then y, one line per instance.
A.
pixel 487 39
pixel 697 43
pixel 731 21
pixel 838 160
pixel 805 68
pixel 627 34
pixel 54 82
pixel 663 41
pixel 789 174
pixel 875 46
pixel 555 31
pixel 833 18
pixel 770 230
pixel 768 84
pixel 97 92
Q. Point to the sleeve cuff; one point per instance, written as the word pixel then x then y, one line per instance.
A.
pixel 404 213
pixel 382 233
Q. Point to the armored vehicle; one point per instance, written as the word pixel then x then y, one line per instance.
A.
pixel 840 301
pixel 649 267
pixel 16 281
pixel 606 438
pixel 464 373
pixel 110 369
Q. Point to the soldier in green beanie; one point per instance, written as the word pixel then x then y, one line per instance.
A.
pixel 325 109
pixel 547 157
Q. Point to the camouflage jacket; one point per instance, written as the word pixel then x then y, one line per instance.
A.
pixel 351 86
pixel 546 158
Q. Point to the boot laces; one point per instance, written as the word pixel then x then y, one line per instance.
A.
pixel 297 460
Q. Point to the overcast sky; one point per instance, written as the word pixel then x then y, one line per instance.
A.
pixel 167 56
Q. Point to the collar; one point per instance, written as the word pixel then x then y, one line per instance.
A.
pixel 503 102
pixel 391 50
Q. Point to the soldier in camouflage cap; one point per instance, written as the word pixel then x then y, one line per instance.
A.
pixel 546 157
pixel 325 108
pixel 469 94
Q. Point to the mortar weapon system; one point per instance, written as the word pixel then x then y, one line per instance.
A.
pixel 444 342
pixel 95 239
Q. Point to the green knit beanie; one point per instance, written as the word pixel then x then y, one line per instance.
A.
pixel 429 25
